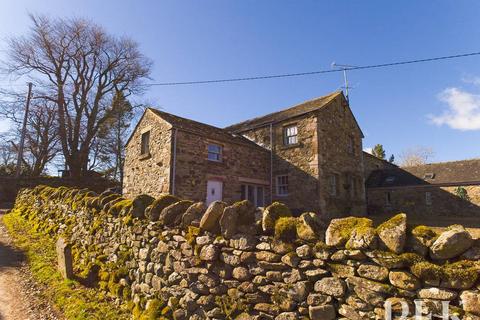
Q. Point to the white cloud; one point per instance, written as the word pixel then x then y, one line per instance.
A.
pixel 463 112
pixel 368 150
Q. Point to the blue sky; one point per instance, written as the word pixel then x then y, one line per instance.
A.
pixel 433 104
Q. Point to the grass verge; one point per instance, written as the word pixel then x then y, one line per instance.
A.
pixel 72 299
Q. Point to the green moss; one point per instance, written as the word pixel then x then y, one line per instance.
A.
pixel 392 222
pixel 69 297
pixel 425 233
pixel 345 226
pixel 119 207
pixel 153 211
pixel 191 235
pixel 127 293
pixel 427 271
pixel 273 212
pixel 286 229
pixel 392 260
pixel 461 273
pixel 231 306
pixel 320 246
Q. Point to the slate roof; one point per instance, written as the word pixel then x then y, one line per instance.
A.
pixel 202 129
pixel 297 110
pixel 443 173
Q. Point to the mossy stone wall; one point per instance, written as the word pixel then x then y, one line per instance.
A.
pixel 184 272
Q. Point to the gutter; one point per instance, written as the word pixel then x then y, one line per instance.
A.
pixel 429 185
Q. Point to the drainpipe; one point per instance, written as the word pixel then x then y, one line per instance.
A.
pixel 174 166
pixel 271 162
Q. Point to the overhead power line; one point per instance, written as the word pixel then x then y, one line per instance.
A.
pixel 307 73
pixel 299 74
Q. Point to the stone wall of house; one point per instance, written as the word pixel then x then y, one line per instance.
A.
pixel 340 153
pixel 443 201
pixel 299 162
pixel 321 152
pixel 242 163
pixel 149 173
pixel 178 259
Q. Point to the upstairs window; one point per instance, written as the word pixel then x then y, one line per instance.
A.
pixel 214 152
pixel 282 185
pixel 290 135
pixel 145 144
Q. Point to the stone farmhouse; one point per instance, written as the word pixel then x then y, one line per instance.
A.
pixel 308 156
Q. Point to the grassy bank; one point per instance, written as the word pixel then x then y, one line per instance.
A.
pixel 69 297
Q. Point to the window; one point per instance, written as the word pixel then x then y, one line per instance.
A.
pixel 145 145
pixel 282 185
pixel 388 198
pixel 428 198
pixel 351 145
pixel 390 179
pixel 334 183
pixel 254 194
pixel 429 175
pixel 214 152
pixel 290 135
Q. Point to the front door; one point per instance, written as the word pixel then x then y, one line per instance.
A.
pixel 214 191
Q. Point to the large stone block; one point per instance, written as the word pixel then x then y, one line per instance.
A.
pixel 209 221
pixel 451 243
pixel 64 258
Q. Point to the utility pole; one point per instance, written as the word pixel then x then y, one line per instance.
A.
pixel 344 67
pixel 24 131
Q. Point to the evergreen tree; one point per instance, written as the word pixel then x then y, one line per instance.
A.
pixel 392 159
pixel 378 151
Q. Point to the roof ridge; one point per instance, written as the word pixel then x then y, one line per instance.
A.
pixel 187 119
pixel 331 95
pixel 441 162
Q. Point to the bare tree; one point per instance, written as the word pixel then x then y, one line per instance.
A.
pixel 416 156
pixel 78 67
pixel 41 136
pixel 42 139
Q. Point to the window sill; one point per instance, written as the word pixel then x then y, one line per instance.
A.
pixel 145 156
pixel 291 146
pixel 214 161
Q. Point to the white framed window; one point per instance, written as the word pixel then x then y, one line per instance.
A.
pixel 333 185
pixel 282 185
pixel 214 152
pixel 145 143
pixel 254 194
pixel 388 198
pixel 290 135
pixel 428 198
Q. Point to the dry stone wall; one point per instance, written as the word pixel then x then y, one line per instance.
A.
pixel 174 259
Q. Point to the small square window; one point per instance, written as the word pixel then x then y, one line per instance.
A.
pixel 282 185
pixel 290 135
pixel 214 152
pixel 145 144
